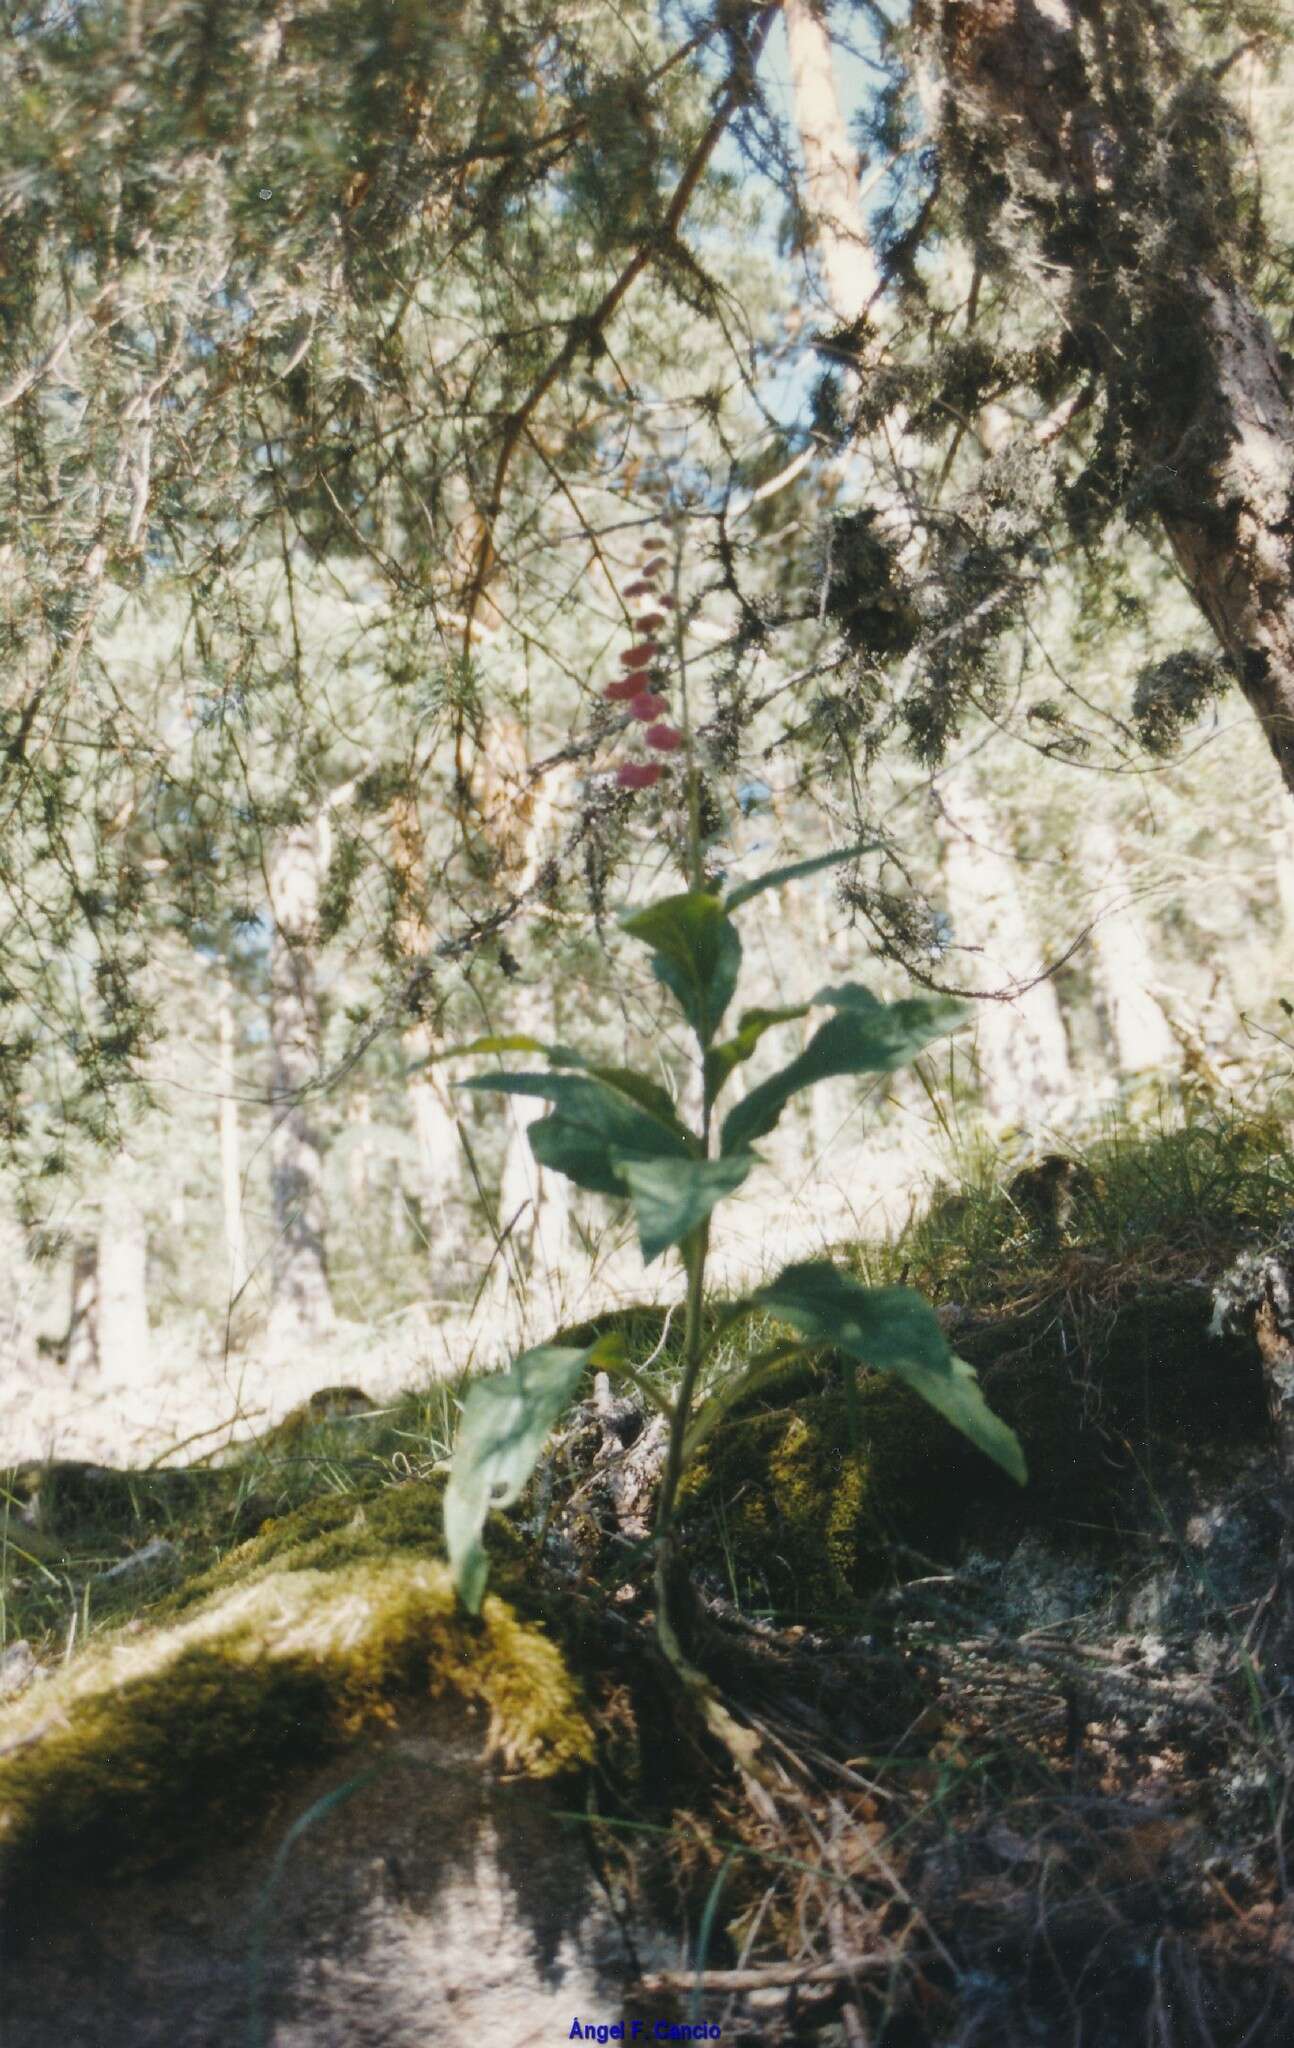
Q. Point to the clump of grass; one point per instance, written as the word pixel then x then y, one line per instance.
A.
pixel 1190 1186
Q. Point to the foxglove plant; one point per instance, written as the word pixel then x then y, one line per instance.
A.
pixel 645 664
pixel 616 1132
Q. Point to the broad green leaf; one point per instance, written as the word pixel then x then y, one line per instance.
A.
pixel 776 876
pixel 864 1037
pixel 649 1095
pixel 695 951
pixel 591 1120
pixel 894 1330
pixel 505 1421
pixel 673 1197
pixel 721 1060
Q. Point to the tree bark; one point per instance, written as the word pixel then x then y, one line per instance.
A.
pixel 1068 93
pixel 301 1306
pixel 123 1283
pixel 81 1344
pixel 831 189
pixel 440 1153
pixel 1139 1031
pixel 231 1183
pixel 1020 1044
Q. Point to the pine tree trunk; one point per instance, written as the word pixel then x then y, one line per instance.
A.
pixel 231 1183
pixel 301 1307
pixel 1020 1043
pixel 1121 958
pixel 1219 434
pixel 440 1153
pixel 123 1286
pixel 81 1344
pixel 831 191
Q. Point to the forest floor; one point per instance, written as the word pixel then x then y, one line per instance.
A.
pixel 1029 1753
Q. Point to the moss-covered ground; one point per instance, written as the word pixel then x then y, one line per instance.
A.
pixel 295 1590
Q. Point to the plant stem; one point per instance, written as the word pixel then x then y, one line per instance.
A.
pixel 695 1252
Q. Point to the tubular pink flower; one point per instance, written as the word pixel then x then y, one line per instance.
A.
pixel 664 738
pixel 624 688
pixel 638 657
pixel 637 774
pixel 647 705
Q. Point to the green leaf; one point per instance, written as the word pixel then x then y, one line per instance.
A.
pixel 505 1421
pixel 509 1041
pixel 672 1198
pixel 649 1095
pixel 591 1121
pixel 776 876
pixel 721 1060
pixel 894 1330
pixel 696 954
pixel 864 1037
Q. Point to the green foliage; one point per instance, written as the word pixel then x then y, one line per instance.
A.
pixel 891 1329
pixel 696 953
pixel 865 1036
pixel 616 1133
pixel 506 1419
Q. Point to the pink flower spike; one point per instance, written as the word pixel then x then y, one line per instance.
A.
pixel 637 774
pixel 624 689
pixel 647 705
pixel 664 738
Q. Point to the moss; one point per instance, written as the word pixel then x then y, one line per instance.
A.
pixel 1111 1403
pixel 309 1420
pixel 92 1502
pixel 340 1529
pixel 641 1324
pixel 144 1748
pixel 780 1501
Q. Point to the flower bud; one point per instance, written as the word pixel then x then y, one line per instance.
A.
pixel 654 567
pixel 647 705
pixel 623 689
pixel 640 588
pixel 650 623
pixel 639 656
pixel 637 774
pixel 664 738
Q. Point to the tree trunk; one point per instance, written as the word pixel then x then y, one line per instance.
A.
pixel 81 1344
pixel 231 1182
pixel 1139 1031
pixel 831 192
pixel 301 1300
pixel 123 1283
pixel 1052 82
pixel 440 1153
pixel 1020 1044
